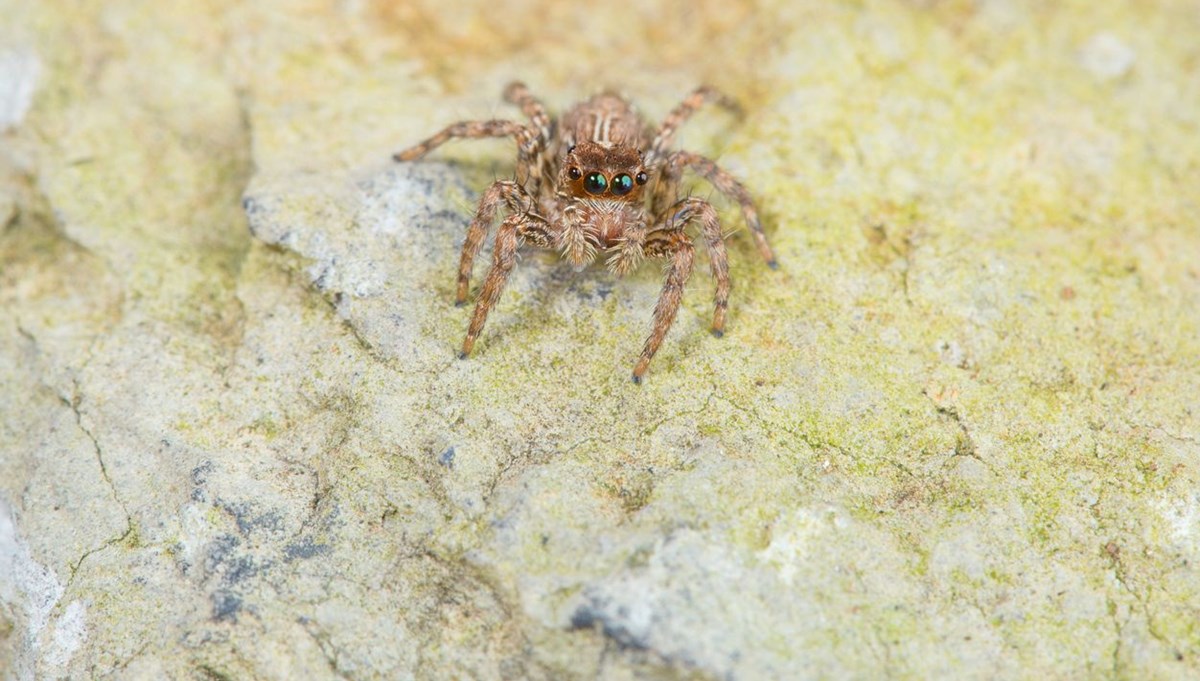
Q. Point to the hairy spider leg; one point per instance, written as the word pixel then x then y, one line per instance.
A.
pixel 680 114
pixel 667 190
pixel 541 164
pixel 526 138
pixel 698 210
pixel 517 93
pixel 515 230
pixel 676 246
pixel 501 193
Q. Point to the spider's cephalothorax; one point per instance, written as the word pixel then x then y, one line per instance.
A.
pixel 600 180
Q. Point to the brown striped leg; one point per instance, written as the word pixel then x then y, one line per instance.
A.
pixel 680 114
pixel 526 138
pixel 501 193
pixel 718 261
pixel 678 247
pixel 517 93
pixel 467 130
pixel 513 231
pixel 540 163
pixel 726 184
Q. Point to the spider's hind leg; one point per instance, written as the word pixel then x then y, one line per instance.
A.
pixel 541 166
pixel 468 130
pixel 517 93
pixel 528 143
pixel 680 114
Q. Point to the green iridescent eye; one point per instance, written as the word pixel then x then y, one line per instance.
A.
pixel 595 183
pixel 622 184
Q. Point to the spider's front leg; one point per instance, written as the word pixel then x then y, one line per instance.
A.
pixel 515 229
pixel 699 210
pixel 678 247
pixel 501 193
pixel 667 190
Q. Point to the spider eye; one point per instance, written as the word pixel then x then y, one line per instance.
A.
pixel 574 173
pixel 641 178
pixel 595 183
pixel 622 184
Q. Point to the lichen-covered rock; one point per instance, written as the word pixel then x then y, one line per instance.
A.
pixel 953 436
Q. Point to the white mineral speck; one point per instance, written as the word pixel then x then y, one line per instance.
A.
pixel 25 587
pixel 70 631
pixel 18 76
pixel 1106 57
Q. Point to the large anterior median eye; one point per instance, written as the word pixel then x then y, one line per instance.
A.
pixel 622 184
pixel 595 183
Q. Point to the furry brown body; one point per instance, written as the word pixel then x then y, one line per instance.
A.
pixel 601 180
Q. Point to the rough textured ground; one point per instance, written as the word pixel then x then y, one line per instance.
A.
pixel 956 435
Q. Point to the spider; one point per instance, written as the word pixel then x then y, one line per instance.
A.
pixel 599 179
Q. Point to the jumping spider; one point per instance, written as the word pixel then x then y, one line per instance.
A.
pixel 601 179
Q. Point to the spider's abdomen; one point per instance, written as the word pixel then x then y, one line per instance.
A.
pixel 607 119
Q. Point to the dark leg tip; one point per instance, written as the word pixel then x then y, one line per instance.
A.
pixel 462 355
pixel 459 303
pixel 719 333
pixel 637 379
pixel 773 264
pixel 398 157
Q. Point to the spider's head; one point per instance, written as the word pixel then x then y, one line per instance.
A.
pixel 594 171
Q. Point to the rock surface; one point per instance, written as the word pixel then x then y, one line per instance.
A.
pixel 956 435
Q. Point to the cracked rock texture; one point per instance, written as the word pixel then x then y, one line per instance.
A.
pixel 955 435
